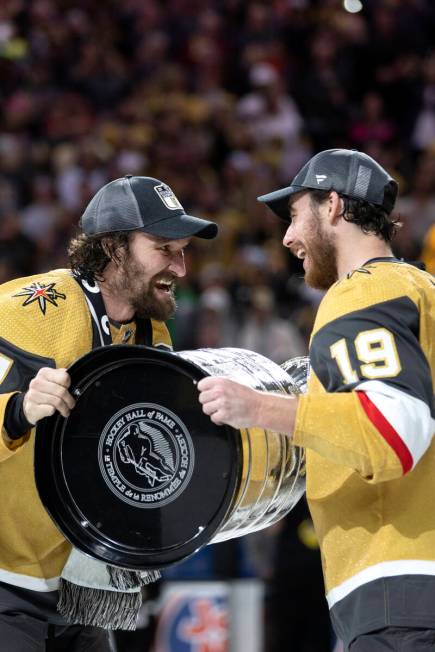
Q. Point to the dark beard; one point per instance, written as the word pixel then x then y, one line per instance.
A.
pixel 323 257
pixel 147 306
pixel 141 296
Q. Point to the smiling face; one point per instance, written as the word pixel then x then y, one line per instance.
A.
pixel 146 274
pixel 308 238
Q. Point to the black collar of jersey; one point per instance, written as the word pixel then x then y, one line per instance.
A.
pixel 393 259
pixel 100 321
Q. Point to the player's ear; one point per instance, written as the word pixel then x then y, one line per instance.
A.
pixel 335 207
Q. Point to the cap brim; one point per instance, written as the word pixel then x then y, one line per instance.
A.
pixel 182 226
pixel 278 200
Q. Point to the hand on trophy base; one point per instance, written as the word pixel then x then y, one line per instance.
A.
pixel 229 402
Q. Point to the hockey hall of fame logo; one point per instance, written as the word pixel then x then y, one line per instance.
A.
pixel 146 455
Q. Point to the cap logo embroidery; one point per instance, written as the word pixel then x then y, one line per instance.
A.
pixel 320 178
pixel 168 197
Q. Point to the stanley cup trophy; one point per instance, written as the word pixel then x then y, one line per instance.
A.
pixel 139 477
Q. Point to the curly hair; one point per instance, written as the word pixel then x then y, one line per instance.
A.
pixel 89 254
pixel 370 217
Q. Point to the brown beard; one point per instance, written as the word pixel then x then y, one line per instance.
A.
pixel 140 293
pixel 322 272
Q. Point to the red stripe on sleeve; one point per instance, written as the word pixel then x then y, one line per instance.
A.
pixel 387 431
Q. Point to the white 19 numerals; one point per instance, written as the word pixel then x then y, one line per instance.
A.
pixel 376 348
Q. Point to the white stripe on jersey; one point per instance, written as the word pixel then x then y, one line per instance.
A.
pixel 384 569
pixel 29 582
pixel 409 416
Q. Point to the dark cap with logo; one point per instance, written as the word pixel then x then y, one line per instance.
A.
pixel 348 172
pixel 144 204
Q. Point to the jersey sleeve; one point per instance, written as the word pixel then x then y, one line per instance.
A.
pixel 374 409
pixel 34 317
pixel 17 368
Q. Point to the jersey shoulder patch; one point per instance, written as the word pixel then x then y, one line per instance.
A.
pixel 45 314
pixel 40 294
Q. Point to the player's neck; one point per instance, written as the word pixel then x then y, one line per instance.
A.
pixel 364 248
pixel 118 309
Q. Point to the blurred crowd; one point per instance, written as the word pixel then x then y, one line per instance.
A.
pixel 223 100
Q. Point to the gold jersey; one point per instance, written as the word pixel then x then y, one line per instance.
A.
pixel 45 322
pixel 367 422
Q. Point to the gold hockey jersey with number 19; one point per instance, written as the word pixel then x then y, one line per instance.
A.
pixel 44 322
pixel 367 422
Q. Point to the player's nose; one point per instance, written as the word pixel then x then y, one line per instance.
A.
pixel 288 236
pixel 178 265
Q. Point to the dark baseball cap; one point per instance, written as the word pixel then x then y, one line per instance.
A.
pixel 144 204
pixel 347 171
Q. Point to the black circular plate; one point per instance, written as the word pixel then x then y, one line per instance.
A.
pixel 137 476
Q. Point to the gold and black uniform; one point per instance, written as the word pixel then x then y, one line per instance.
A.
pixel 367 423
pixel 45 321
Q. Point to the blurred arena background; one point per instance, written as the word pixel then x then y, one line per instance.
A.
pixel 223 100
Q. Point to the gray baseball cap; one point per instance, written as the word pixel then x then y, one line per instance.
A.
pixel 347 171
pixel 144 204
